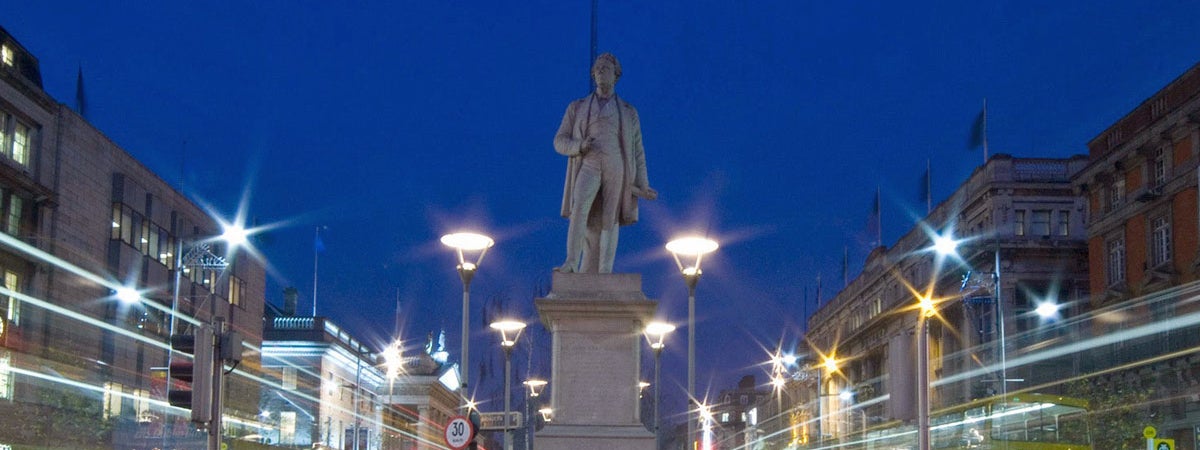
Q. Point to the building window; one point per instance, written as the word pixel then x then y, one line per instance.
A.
pixel 13 208
pixel 1116 195
pixel 1116 261
pixel 15 139
pixel 1039 224
pixel 6 376
pixel 112 400
pixel 287 427
pixel 6 55
pixel 12 282
pixel 141 405
pixel 1158 168
pixel 1064 222
pixel 1019 222
pixel 147 237
pixel 1160 241
pixel 289 378
pixel 237 288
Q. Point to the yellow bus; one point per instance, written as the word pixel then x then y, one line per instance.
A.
pixel 1015 422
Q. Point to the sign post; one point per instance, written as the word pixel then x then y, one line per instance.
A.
pixel 459 432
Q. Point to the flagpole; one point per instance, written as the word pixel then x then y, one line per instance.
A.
pixel 316 257
pixel 878 220
pixel 845 274
pixel 928 188
pixel 985 144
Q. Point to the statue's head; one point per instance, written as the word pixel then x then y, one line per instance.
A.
pixel 606 59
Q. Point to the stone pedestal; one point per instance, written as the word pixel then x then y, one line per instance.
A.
pixel 596 321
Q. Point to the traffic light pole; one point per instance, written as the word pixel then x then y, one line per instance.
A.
pixel 218 376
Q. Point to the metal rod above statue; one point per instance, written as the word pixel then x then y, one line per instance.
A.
pixel 606 171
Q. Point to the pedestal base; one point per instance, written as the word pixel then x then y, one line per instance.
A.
pixel 596 321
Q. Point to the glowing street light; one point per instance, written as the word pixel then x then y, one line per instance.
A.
pixel 128 295
pixel 510 331
pixel 692 251
pixel 656 332
pixel 1047 310
pixel 467 244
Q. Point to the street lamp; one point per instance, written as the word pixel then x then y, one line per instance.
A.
pixel 467 244
pixel 655 333
pixel 200 256
pixel 510 331
pixel 692 249
pixel 393 359
pixel 535 388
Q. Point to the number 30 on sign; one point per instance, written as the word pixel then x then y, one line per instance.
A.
pixel 459 432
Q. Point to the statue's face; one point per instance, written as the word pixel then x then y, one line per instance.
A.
pixel 605 75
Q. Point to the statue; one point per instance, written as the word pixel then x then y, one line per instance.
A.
pixel 606 171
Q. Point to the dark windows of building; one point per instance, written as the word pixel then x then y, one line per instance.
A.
pixel 13 212
pixel 1115 259
pixel 1064 222
pixel 1160 240
pixel 1158 168
pixel 1039 224
pixel 1115 195
pixel 1019 222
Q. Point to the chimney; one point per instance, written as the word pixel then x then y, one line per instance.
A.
pixel 290 296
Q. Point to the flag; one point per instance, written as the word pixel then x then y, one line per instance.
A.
pixel 318 244
pixel 80 98
pixel 978 136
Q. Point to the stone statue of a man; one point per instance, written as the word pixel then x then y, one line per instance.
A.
pixel 606 172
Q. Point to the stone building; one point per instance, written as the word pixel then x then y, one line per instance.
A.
pixel 328 385
pixel 1019 212
pixel 82 219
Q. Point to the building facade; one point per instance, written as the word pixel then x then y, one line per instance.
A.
pixel 1144 254
pixel 82 219
pixel 1019 213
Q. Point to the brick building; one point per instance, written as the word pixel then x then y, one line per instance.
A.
pixel 1144 254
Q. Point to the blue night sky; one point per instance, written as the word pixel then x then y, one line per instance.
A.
pixel 767 125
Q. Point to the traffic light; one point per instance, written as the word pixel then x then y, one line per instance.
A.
pixel 198 372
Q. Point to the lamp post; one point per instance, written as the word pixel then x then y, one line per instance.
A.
pixel 393 357
pixel 831 366
pixel 510 331
pixel 692 249
pixel 535 388
pixel 200 256
pixel 927 311
pixel 655 333
pixel 464 244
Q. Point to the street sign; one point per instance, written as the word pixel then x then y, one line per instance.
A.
pixel 459 432
pixel 1163 444
pixel 495 420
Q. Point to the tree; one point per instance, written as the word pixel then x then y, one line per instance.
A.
pixel 1117 413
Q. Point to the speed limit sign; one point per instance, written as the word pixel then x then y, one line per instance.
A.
pixel 459 432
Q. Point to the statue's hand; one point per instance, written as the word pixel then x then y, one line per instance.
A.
pixel 647 193
pixel 586 145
